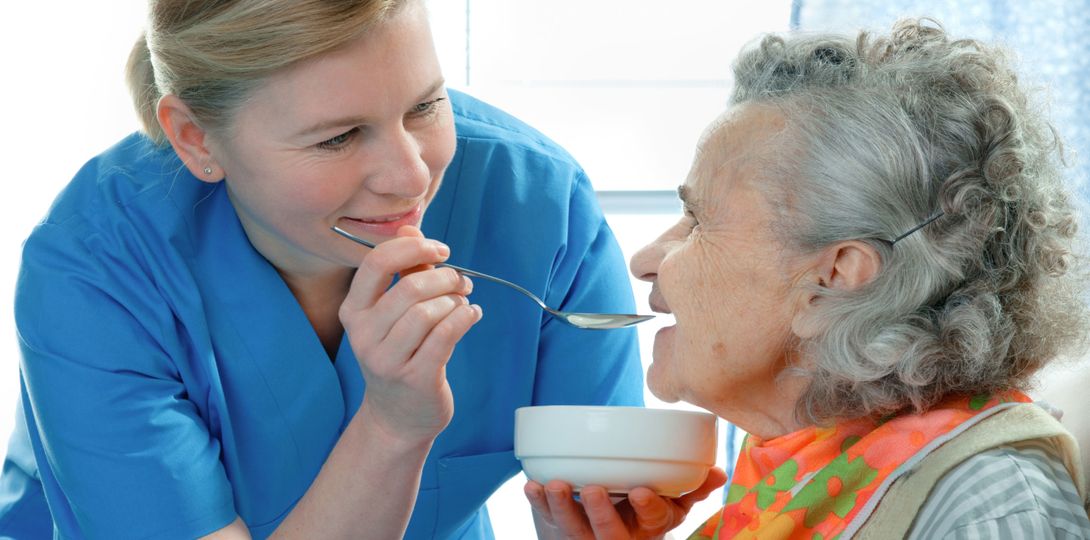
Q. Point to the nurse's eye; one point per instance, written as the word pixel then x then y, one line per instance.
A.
pixel 340 141
pixel 426 108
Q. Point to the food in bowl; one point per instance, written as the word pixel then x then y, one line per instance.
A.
pixel 619 448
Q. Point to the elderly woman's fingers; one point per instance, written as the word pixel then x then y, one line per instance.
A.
pixel 654 514
pixel 604 520
pixel 567 515
pixel 535 493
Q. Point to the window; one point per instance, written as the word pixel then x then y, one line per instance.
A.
pixel 627 86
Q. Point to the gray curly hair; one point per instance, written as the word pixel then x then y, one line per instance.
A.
pixel 882 134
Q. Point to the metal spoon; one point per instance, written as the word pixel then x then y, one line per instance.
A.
pixel 592 321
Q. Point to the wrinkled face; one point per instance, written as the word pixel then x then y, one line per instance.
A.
pixel 723 274
pixel 357 138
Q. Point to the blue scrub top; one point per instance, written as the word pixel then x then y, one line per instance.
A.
pixel 170 381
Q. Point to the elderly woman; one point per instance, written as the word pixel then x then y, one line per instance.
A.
pixel 876 256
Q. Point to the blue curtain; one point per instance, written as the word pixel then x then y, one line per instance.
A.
pixel 1051 39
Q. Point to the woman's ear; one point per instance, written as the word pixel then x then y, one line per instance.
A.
pixel 845 266
pixel 188 138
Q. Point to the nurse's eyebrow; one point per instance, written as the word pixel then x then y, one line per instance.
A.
pixel 348 121
pixel 435 86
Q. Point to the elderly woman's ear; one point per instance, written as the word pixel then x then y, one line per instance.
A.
pixel 842 267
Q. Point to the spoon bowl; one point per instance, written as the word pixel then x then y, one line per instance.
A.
pixel 590 321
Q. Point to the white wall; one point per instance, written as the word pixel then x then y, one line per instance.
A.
pixel 63 100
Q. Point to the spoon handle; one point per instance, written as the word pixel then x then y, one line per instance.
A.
pixel 459 269
pixel 590 321
pixel 495 279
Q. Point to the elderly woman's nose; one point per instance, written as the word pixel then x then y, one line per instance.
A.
pixel 644 264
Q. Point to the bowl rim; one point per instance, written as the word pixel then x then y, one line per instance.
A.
pixel 619 409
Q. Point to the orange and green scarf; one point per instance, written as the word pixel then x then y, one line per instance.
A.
pixel 815 483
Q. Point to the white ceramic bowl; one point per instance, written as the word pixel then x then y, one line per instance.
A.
pixel 619 448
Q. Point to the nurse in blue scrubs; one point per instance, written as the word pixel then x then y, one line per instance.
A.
pixel 203 357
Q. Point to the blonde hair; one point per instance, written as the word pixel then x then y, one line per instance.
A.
pixel 213 54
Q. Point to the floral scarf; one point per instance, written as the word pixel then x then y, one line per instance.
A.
pixel 812 483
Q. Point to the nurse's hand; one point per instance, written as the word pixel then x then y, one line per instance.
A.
pixel 403 335
pixel 642 514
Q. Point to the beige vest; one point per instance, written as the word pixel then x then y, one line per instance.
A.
pixel 893 516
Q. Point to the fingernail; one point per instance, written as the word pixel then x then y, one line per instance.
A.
pixel 467 284
pixel 594 496
pixel 480 312
pixel 440 248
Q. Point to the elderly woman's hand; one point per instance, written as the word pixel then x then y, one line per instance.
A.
pixel 642 514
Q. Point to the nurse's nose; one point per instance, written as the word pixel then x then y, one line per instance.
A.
pixel 403 172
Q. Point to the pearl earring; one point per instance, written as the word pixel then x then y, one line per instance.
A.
pixel 207 171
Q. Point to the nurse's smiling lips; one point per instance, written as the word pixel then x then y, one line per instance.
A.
pixel 385 226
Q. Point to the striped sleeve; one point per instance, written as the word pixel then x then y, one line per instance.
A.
pixel 1013 491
